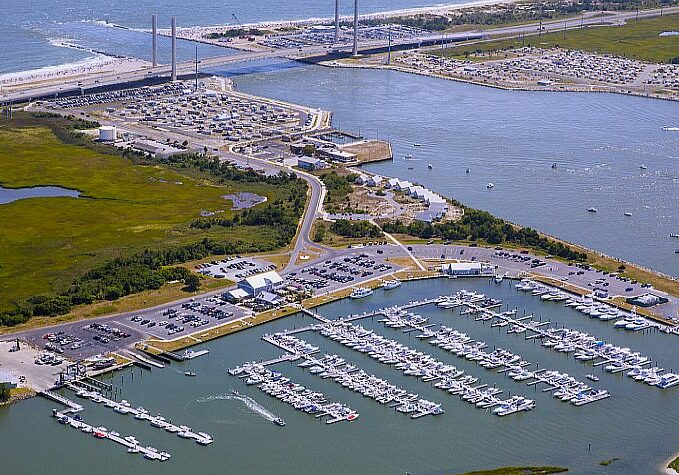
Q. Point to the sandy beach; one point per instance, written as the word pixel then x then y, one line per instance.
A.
pixel 96 65
pixel 199 32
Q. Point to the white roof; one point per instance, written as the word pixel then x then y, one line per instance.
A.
pixel 462 266
pixel 264 279
pixel 238 293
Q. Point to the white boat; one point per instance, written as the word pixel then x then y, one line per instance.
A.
pixel 591 210
pixel 592 377
pixel 190 354
pixel 408 157
pixel 361 292
pixel 391 284
pixel 643 167
pixel 490 185
pixel 499 278
pixel 627 213
pixel 670 129
pixel 430 166
pixel 674 235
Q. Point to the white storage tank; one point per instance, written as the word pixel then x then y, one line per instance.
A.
pixel 108 133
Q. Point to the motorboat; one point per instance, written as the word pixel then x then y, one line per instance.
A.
pixel 278 421
pixel 591 210
pixel 592 377
pixel 361 292
pixel 189 373
pixel 490 185
pixel 391 284
pixel 628 214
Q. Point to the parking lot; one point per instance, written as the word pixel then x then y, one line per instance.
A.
pixel 234 268
pixel 340 272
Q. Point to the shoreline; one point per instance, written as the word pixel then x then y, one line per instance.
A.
pixel 564 88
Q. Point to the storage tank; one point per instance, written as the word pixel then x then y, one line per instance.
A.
pixel 108 133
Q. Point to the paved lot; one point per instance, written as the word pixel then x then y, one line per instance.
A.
pixel 22 363
pixel 236 268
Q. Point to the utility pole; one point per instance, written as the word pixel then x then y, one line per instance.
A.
pixel 564 30
pixel 582 21
pixel 540 29
pixel 355 49
pixel 637 14
pixel 154 40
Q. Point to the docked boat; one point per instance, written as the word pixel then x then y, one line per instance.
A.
pixel 592 377
pixel 190 354
pixel 391 284
pixel 361 292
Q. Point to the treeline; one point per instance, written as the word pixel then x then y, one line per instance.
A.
pixel 236 33
pixel 355 229
pixel 478 225
pixel 510 13
pixel 338 189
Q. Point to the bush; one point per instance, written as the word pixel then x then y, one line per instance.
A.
pixel 359 229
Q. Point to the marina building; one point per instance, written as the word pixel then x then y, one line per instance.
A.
pixel 467 269
pixel 8 380
pixel 310 163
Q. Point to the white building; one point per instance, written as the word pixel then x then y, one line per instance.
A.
pixel 362 179
pixel 265 282
pixel 375 180
pixel 467 269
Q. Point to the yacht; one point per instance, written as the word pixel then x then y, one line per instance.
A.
pixel 361 292
pixel 391 284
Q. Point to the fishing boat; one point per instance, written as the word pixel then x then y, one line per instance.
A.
pixel 361 292
pixel 391 284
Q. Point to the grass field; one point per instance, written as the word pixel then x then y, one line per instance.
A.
pixel 47 242
pixel 636 39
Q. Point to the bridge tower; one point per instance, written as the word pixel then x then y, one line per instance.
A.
pixel 355 50
pixel 154 40
pixel 336 21
pixel 174 49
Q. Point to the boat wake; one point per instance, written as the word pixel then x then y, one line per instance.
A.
pixel 250 403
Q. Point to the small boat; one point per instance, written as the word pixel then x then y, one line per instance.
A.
pixel 352 417
pixel 591 210
pixel 417 145
pixel 643 167
pixel 468 170
pixel 670 129
pixel 408 157
pixel 554 165
pixel 430 166
pixel 279 422
pixel 627 213
pixel 592 377
pixel 361 292
pixel 411 168
pixel 133 450
pixel 490 185
pixel 391 284
pixel 189 373
pixel 674 235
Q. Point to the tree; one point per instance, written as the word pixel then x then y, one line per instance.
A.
pixel 4 393
pixel 192 282
pixel 319 235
